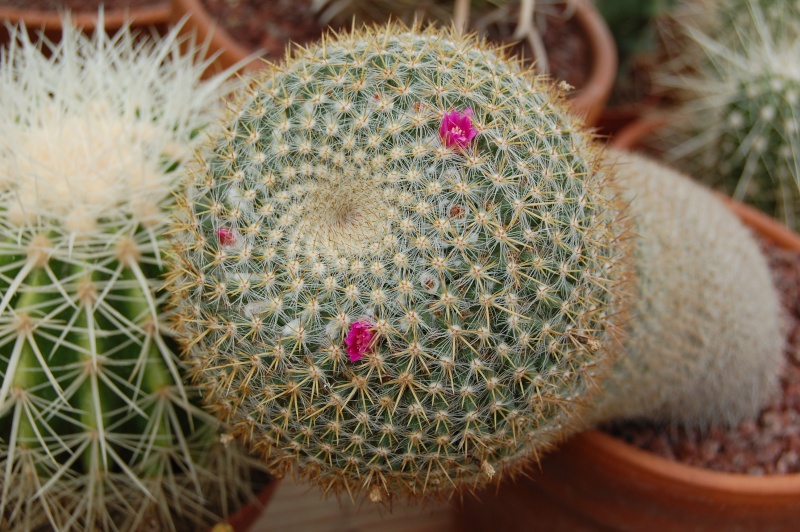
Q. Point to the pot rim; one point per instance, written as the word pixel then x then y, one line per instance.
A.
pixel 588 100
pixel 113 19
pixel 592 97
pixel 628 456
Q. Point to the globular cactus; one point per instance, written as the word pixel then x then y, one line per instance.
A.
pixel 402 266
pixel 397 266
pixel 738 128
pixel 97 429
pixel 704 345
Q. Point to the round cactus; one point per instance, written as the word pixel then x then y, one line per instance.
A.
pixel 398 265
pixel 97 430
pixel 704 345
pixel 738 128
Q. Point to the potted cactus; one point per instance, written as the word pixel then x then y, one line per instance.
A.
pixel 403 268
pixel 98 429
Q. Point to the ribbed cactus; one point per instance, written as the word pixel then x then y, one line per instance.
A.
pixel 398 265
pixel 738 128
pixel 704 345
pixel 97 430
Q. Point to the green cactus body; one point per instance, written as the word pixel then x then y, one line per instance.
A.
pixel 704 345
pixel 97 430
pixel 479 278
pixel 738 128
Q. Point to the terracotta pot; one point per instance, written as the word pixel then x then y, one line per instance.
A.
pixel 591 99
pixel 595 481
pixel 49 22
pixel 204 26
pixel 588 100
pixel 243 520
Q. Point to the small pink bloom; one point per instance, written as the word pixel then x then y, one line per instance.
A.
pixel 226 237
pixel 359 339
pixel 457 129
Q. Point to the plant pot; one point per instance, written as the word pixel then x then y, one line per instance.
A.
pixel 243 520
pixel 49 22
pixel 596 481
pixel 588 100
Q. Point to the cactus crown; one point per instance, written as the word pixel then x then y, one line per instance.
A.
pixel 97 430
pixel 419 203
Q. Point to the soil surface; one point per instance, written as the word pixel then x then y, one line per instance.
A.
pixel 80 6
pixel 768 445
pixel 271 25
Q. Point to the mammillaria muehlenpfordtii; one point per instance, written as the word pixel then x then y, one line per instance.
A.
pixel 97 429
pixel 397 266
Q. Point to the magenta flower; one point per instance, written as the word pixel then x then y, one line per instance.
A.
pixel 359 339
pixel 226 237
pixel 456 128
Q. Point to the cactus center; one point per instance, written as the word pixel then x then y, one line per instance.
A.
pixel 342 213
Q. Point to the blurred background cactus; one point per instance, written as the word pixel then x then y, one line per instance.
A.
pixel 737 127
pixel 97 430
pixel 398 267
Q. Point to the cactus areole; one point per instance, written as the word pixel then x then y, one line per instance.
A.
pixel 418 274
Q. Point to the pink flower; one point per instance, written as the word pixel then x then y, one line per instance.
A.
pixel 226 237
pixel 359 339
pixel 456 128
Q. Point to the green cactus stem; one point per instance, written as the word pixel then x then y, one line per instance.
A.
pixel 97 429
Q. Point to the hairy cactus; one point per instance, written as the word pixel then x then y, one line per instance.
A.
pixel 399 264
pixel 739 125
pixel 697 356
pixel 97 430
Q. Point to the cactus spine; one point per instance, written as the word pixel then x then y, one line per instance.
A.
pixel 97 430
pixel 739 126
pixel 348 188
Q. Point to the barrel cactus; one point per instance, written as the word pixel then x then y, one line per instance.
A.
pixel 396 267
pixel 738 127
pixel 97 429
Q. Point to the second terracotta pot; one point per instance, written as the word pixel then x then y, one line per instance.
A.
pixel 588 100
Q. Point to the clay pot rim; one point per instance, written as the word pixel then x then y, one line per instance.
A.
pixel 592 97
pixel 221 42
pixel 248 514
pixel 629 457
pixel 588 100
pixel 116 18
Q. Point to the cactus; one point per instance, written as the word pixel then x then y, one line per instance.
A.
pixel 739 125
pixel 396 266
pixel 97 430
pixel 401 267
pixel 697 357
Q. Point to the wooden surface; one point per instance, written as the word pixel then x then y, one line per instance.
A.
pixel 300 508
